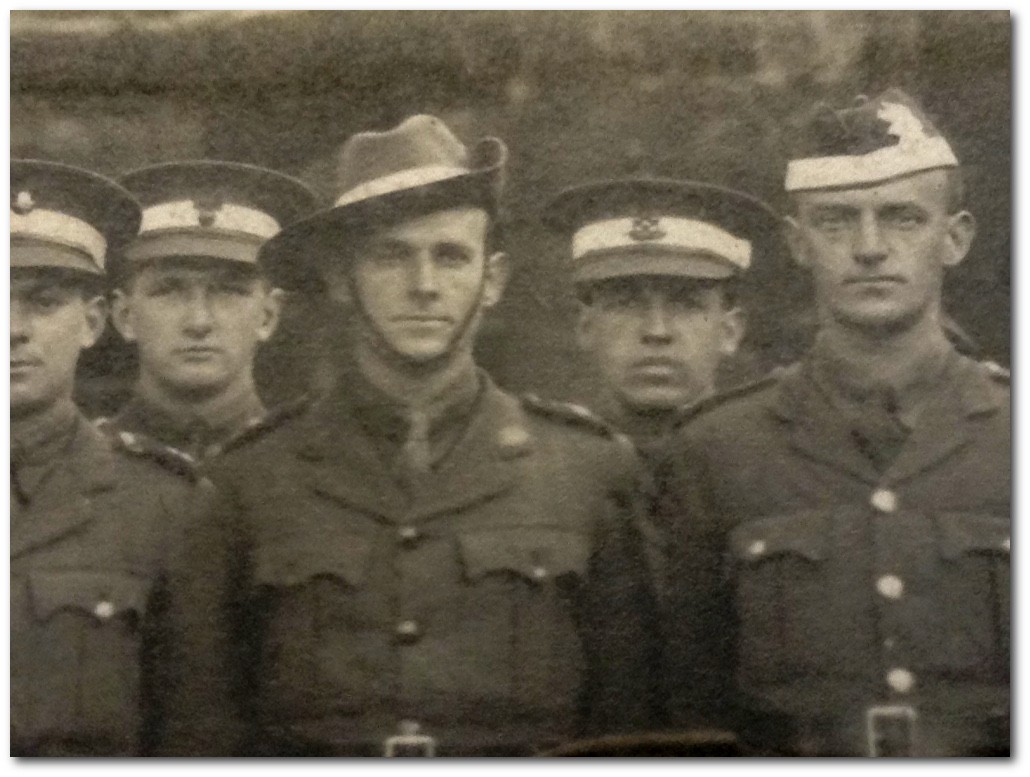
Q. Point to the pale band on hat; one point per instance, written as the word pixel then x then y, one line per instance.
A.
pixel 395 182
pixel 889 162
pixel 673 233
pixel 228 217
pixel 55 227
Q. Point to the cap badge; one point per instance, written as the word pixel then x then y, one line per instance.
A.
pixel 646 228
pixel 903 124
pixel 23 203
pixel 207 208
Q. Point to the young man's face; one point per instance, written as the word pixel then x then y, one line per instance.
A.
pixel 658 340
pixel 53 318
pixel 421 282
pixel 877 254
pixel 197 323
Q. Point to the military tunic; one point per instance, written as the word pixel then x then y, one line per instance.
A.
pixel 806 585
pixel 93 525
pixel 200 438
pixel 498 602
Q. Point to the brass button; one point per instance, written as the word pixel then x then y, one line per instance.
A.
pixel 884 500
pixel 890 586
pixel 756 548
pixel 408 631
pixel 1006 544
pixel 539 573
pixel 900 680
pixel 408 534
pixel 104 610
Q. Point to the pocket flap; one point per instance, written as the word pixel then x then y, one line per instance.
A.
pixel 962 533
pixel 103 595
pixel 536 554
pixel 805 534
pixel 289 563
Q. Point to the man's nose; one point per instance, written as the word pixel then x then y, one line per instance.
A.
pixel 870 248
pixel 424 280
pixel 199 315
pixel 656 327
pixel 20 323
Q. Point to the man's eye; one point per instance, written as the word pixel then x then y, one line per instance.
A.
pixel 685 300
pixel 906 219
pixel 831 221
pixel 453 256
pixel 47 301
pixel 233 288
pixel 163 289
pixel 386 254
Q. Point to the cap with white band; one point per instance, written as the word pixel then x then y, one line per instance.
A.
pixel 874 141
pixel 658 227
pixel 218 210
pixel 66 217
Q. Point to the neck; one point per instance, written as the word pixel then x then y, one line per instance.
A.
pixel 239 398
pixel 873 360
pixel 35 429
pixel 414 385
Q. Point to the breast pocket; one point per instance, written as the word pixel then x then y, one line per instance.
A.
pixel 975 592
pixel 781 571
pixel 308 619
pixel 521 611
pixel 88 649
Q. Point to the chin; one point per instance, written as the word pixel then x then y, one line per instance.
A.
pixel 645 401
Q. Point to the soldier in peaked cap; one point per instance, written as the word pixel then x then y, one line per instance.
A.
pixel 194 299
pixel 93 520
pixel 841 553
pixel 460 573
pixel 656 263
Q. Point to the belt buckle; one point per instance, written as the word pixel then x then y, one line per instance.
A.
pixel 409 743
pixel 890 730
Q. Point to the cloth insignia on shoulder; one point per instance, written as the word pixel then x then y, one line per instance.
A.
pixel 574 415
pixel 996 371
pixel 693 410
pixel 271 421
pixel 148 448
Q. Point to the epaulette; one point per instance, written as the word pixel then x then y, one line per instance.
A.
pixel 694 409
pixel 146 448
pixel 568 413
pixel 271 421
pixel 997 372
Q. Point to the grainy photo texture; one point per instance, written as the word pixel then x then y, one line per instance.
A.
pixel 510 383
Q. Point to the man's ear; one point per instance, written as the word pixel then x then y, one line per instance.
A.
pixel 731 331
pixel 496 272
pixel 271 312
pixel 586 326
pixel 796 241
pixel 121 315
pixel 95 320
pixel 961 231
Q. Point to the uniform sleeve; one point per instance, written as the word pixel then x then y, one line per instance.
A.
pixel 698 621
pixel 620 614
pixel 201 708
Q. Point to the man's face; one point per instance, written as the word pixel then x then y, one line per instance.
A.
pixel 658 341
pixel 421 282
pixel 196 322
pixel 52 319
pixel 877 254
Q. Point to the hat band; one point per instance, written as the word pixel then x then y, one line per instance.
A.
pixel 226 217
pixel 399 181
pixel 890 162
pixel 55 227
pixel 669 233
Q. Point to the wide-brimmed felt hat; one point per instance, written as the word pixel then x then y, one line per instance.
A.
pixel 871 141
pixel 68 218
pixel 417 167
pixel 215 209
pixel 659 226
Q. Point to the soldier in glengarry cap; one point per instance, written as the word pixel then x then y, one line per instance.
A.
pixel 840 570
pixel 422 563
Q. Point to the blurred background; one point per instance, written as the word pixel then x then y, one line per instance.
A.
pixel 577 95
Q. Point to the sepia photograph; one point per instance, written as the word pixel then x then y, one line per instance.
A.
pixel 510 383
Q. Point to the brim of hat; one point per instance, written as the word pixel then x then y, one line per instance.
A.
pixel 293 257
pixel 51 256
pixel 229 247
pixel 740 213
pixel 623 264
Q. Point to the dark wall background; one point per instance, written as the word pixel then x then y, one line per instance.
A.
pixel 576 95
